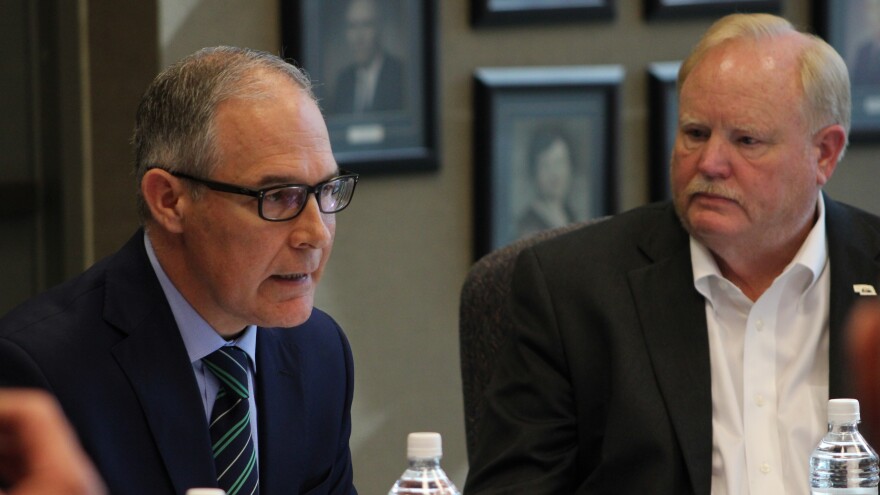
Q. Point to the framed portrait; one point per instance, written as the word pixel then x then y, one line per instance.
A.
pixel 508 12
pixel 852 27
pixel 676 9
pixel 544 149
pixel 663 123
pixel 372 63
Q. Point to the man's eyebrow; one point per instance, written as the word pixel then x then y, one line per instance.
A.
pixel 276 180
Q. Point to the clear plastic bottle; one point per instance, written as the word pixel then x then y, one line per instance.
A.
pixel 843 462
pixel 424 475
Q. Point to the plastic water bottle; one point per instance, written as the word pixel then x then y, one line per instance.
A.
pixel 843 462
pixel 424 475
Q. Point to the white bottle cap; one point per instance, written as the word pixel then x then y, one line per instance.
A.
pixel 424 445
pixel 843 411
pixel 205 491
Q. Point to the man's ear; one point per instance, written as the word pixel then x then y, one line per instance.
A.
pixel 166 197
pixel 829 143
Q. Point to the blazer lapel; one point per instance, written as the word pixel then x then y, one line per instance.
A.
pixel 672 314
pixel 854 251
pixel 154 359
pixel 281 410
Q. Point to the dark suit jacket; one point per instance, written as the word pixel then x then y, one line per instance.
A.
pixel 605 386
pixel 390 91
pixel 106 344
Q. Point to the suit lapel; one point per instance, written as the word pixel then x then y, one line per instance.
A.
pixel 672 314
pixel 154 359
pixel 854 250
pixel 281 409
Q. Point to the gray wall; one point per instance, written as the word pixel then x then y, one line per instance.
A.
pixel 404 247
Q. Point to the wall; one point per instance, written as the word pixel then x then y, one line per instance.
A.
pixel 122 60
pixel 403 248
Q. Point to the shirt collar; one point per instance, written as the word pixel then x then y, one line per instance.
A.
pixel 199 338
pixel 812 255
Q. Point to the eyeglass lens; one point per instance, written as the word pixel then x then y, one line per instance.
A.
pixel 336 194
pixel 287 202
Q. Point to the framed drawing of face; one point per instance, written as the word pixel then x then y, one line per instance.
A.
pixel 373 70
pixel 852 27
pixel 545 149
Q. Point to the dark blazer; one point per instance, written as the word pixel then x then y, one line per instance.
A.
pixel 390 90
pixel 604 387
pixel 106 344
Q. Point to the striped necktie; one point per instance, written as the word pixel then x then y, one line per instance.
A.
pixel 231 442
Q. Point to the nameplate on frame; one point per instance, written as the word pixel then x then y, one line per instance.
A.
pixel 365 134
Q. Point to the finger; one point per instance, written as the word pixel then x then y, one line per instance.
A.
pixel 34 430
pixel 863 349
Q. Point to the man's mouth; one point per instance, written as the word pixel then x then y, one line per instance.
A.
pixel 712 196
pixel 291 277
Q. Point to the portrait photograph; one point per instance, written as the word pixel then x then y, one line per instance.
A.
pixel 373 73
pixel 545 148
pixel 852 27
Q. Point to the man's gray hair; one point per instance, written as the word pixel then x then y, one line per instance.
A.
pixel 824 76
pixel 174 125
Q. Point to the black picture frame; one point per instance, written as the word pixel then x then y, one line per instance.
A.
pixel 567 117
pixel 662 127
pixel 519 12
pixel 852 27
pixel 677 9
pixel 399 133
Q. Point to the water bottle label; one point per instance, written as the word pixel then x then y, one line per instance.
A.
pixel 844 491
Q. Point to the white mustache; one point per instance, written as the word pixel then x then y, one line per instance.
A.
pixel 700 185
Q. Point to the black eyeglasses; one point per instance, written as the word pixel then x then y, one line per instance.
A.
pixel 286 201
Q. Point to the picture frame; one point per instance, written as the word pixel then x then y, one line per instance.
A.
pixel 662 126
pixel 374 74
pixel 677 9
pixel 545 149
pixel 518 12
pixel 852 27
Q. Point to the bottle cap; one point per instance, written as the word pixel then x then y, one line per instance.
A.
pixel 205 491
pixel 843 411
pixel 424 445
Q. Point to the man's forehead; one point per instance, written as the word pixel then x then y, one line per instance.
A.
pixel 780 52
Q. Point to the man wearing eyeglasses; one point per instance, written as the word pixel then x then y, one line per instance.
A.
pixel 193 356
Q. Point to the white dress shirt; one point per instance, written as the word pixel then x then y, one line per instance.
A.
pixel 769 364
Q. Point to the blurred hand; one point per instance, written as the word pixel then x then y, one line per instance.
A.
pixel 864 353
pixel 39 452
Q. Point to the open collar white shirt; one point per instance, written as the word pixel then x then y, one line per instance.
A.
pixel 769 365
